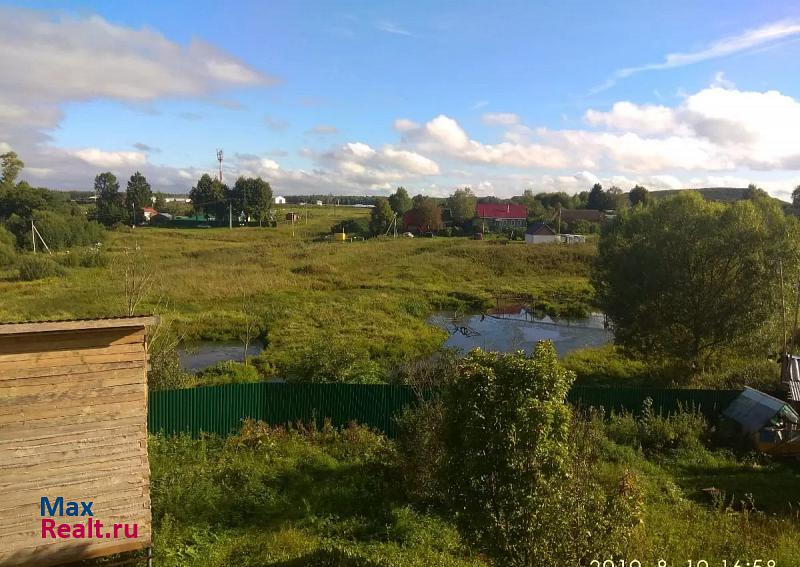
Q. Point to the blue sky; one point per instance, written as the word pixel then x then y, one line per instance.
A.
pixel 499 96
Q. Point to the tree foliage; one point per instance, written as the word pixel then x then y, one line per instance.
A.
pixel 10 166
pixel 400 201
pixel 252 196
pixel 687 278
pixel 428 213
pixel 638 195
pixel 109 205
pixel 208 197
pixel 511 469
pixel 381 217
pixel 138 195
pixel 597 198
pixel 462 205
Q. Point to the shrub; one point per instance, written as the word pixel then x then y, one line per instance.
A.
pixel 658 433
pixel 8 256
pixel 228 372
pixel 37 267
pixel 500 451
pixel 93 258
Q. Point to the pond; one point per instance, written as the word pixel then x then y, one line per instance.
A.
pixel 198 356
pixel 517 329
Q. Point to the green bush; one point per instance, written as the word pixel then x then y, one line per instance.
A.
pixel 498 450
pixel 228 372
pixel 659 433
pixel 8 255
pixel 36 267
pixel 93 258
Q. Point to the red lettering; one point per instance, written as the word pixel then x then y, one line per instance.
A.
pixel 47 525
pixel 134 533
pixel 64 531
pixel 79 531
pixel 97 525
pixel 116 528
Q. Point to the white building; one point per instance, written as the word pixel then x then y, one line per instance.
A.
pixel 540 233
pixel 278 200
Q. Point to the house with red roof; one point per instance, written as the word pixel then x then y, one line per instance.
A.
pixel 499 216
pixel 149 213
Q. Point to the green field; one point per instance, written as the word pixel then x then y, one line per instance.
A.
pixel 305 294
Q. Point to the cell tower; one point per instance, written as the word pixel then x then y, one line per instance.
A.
pixel 219 159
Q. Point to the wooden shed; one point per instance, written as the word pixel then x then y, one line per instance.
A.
pixel 73 440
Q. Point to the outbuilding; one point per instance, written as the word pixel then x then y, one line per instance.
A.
pixel 279 200
pixel 771 424
pixel 73 433
pixel 540 233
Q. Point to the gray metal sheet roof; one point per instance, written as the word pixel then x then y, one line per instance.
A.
pixel 753 410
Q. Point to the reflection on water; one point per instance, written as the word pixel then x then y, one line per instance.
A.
pixel 199 356
pixel 512 330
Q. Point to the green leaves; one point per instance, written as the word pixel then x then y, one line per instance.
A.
pixel 687 278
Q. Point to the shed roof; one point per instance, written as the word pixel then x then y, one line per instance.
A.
pixel 76 325
pixel 754 410
pixel 539 228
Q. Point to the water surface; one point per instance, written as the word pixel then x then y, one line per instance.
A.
pixel 199 356
pixel 519 329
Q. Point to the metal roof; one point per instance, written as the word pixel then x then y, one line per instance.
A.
pixel 75 324
pixel 754 410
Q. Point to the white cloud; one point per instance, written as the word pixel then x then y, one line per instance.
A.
pixel 445 136
pixel 101 158
pixel 405 125
pixel 746 41
pixel 54 58
pixel 500 118
pixel 644 119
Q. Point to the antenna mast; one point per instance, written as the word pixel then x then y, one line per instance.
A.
pixel 219 159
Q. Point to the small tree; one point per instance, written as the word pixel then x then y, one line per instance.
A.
pixel 10 166
pixel 510 468
pixel 462 205
pixel 597 198
pixel 400 201
pixel 253 197
pixel 429 214
pixel 639 195
pixel 381 217
pixel 137 196
pixel 110 210
pixel 208 196
pixel 796 197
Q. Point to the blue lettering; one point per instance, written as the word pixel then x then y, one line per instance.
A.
pixel 58 505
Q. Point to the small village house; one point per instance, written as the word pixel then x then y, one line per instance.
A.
pixel 540 233
pixel 149 213
pixel 501 216
pixel 279 200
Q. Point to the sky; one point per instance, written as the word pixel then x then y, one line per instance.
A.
pixel 359 97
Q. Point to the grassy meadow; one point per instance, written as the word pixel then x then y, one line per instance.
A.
pixel 270 496
pixel 304 294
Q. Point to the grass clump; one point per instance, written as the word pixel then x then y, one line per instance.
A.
pixel 37 267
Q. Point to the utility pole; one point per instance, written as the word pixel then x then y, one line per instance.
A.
pixel 133 215
pixel 33 236
pixel 219 159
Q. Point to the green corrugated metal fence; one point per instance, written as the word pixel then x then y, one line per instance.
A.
pixel 221 409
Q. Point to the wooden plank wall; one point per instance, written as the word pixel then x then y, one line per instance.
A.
pixel 73 423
